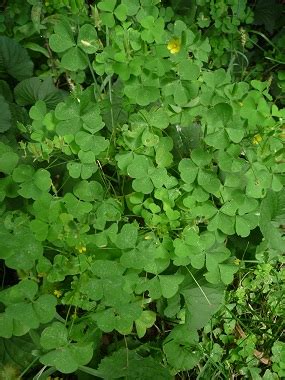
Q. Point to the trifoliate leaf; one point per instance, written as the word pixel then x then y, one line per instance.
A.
pixel 188 170
pixel 87 39
pixel 63 37
pixel 54 336
pixel 146 320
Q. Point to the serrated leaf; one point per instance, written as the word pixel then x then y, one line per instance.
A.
pixel 8 159
pixel 14 59
pixel 129 364
pixel 5 115
pixel 29 91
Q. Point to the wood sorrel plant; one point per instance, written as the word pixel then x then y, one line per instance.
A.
pixel 111 226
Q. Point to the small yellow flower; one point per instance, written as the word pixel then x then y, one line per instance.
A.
pixel 174 46
pixel 81 248
pixel 256 139
pixel 57 293
pixel 237 261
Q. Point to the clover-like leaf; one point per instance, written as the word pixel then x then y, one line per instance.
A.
pixel 62 39
pixel 68 359
pixel 146 320
pixel 54 336
pixel 170 284
pixel 87 39
pixel 32 183
pixel 188 170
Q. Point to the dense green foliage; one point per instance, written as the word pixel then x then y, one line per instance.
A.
pixel 141 186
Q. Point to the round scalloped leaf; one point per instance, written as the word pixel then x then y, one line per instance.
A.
pixel 14 59
pixel 29 91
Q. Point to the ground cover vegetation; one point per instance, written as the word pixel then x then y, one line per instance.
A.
pixel 141 187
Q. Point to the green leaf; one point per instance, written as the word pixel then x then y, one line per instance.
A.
pixel 132 6
pixel 218 140
pixel 29 315
pixel 170 284
pixel 8 159
pixel 201 157
pixel 188 70
pixel 138 168
pixel 6 326
pixel 5 115
pixel 202 302
pixel 127 237
pixel 121 12
pixel 88 190
pixel 74 59
pixel 129 364
pixel 159 119
pixel 36 47
pixel 14 59
pixel 62 40
pixel 108 19
pixel 242 226
pixel 20 250
pixel 68 359
pixel 89 142
pixel 120 318
pixel 188 170
pixel 32 184
pixel 272 208
pixel 146 320
pixel 224 112
pixel 223 222
pixel 29 91
pixel 87 39
pixel 54 336
pixel 209 181
pixel 181 348
pixel 107 5
pixel 40 229
pixel 17 351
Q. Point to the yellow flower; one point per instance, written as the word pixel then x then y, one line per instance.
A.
pixel 237 261
pixel 174 46
pixel 57 293
pixel 81 248
pixel 256 139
